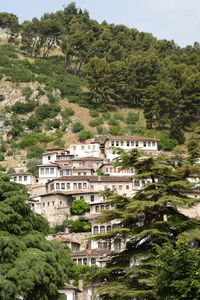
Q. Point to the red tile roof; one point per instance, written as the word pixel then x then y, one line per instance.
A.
pixel 95 252
pixel 132 138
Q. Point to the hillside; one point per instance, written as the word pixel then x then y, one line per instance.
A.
pixel 66 78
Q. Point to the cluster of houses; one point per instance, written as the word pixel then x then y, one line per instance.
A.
pixel 83 171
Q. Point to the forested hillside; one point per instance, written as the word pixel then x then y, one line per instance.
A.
pixel 66 57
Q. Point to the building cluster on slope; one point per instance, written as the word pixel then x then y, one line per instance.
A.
pixel 83 171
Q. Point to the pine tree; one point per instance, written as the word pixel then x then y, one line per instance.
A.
pixel 147 219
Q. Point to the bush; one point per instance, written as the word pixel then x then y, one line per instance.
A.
pixel 96 122
pixel 35 152
pixel 77 127
pixel 119 117
pixel 113 122
pixel 79 226
pixel 32 165
pixel 99 129
pixel 106 115
pixel 94 113
pixel 45 111
pixel 50 124
pixel 79 207
pixel 27 92
pixel 84 135
pixel 21 107
pixel 116 130
pixel 132 118
pixel 32 122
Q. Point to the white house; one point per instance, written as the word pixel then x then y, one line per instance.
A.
pixel 87 149
pixel 25 178
pixel 70 292
pixel 127 143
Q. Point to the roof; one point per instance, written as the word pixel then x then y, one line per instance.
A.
pixel 94 178
pixel 63 238
pixel 77 192
pixel 70 287
pixel 95 252
pixel 22 173
pixel 48 165
pixel 88 158
pixel 55 149
pixel 133 138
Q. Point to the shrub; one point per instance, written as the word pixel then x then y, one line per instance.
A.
pixel 84 135
pixel 116 130
pixel 79 226
pixel 52 98
pixel 35 152
pixel 96 122
pixel 99 129
pixel 132 118
pixel 113 122
pixel 77 127
pixel 21 107
pixel 32 165
pixel 10 170
pixel 50 124
pixel 32 122
pixel 79 207
pixel 68 112
pixel 1 157
pixel 106 115
pixel 45 111
pixel 119 117
pixel 27 92
pixel 94 113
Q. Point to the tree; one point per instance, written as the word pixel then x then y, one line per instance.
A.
pixel 176 274
pixel 79 206
pixel 147 219
pixel 11 23
pixel 31 267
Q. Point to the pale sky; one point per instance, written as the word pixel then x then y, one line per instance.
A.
pixel 177 20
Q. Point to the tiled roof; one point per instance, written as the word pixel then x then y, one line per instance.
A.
pixel 94 178
pixel 48 165
pixel 95 252
pixel 132 138
pixel 22 173
pixel 88 158
pixel 76 192
pixel 70 287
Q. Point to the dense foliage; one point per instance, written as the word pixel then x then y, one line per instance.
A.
pixel 148 220
pixel 30 266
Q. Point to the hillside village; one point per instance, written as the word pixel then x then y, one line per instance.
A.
pixel 84 171
pixel 99 159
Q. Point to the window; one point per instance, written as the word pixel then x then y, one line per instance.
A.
pixel 20 178
pixel 95 229
pixel 92 187
pixel 85 186
pixel 67 172
pixel 52 170
pixel 117 143
pixel 68 186
pixel 79 173
pixel 53 203
pixel 62 186
pixel 144 144
pixel 113 187
pixel 92 198
pixel 112 143
pixel 75 186
pixel 122 143
pixel 127 187
pixel 107 170
pixel 102 207
pixel 57 186
pixel 49 157
pixel 85 261
pixel 74 147
pixel 102 229
pixel 15 178
pixel 153 144
pixel 43 204
pixel 108 228
pixel 42 171
pixel 96 208
pixel 88 147
pixel 80 186
pixel 84 173
pixel 82 147
pixel 25 178
pixel 136 183
pixel 48 203
pixel 107 206
pixel 79 261
pixel 52 187
pixel 93 261
pixel 61 173
pixel 132 144
pixel 81 197
pixel 120 187
pixel 60 202
pixel 93 147
pixel 127 143
pixel 47 171
pixel 149 144
pixel 136 144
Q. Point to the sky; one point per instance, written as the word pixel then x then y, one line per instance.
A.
pixel 177 20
